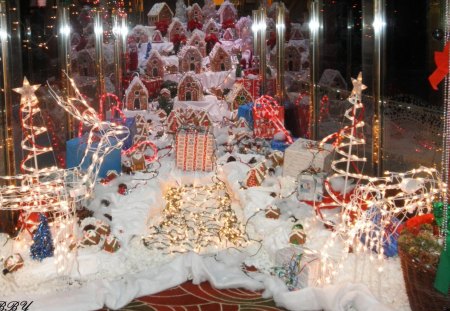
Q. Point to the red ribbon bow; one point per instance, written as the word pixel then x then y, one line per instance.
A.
pixel 441 60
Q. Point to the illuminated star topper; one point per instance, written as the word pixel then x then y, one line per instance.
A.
pixel 27 91
pixel 358 86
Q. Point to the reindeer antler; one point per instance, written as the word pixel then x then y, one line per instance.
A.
pixel 88 116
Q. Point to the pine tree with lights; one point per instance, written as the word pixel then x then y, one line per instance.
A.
pixel 43 242
pixel 348 163
pixel 34 130
pixel 180 11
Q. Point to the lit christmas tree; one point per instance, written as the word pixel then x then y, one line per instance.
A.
pixel 43 242
pixel 349 140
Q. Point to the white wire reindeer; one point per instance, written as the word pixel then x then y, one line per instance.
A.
pixel 55 191
pixel 106 136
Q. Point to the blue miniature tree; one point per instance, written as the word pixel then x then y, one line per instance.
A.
pixel 43 242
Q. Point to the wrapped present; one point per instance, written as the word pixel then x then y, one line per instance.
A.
pixel 75 149
pixel 310 187
pixel 194 150
pixel 130 123
pixel 306 154
pixel 246 112
pixel 297 267
pixel 279 145
pixel 268 118
pixel 253 85
pixel 390 234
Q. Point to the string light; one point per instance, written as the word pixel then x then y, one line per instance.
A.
pixel 196 218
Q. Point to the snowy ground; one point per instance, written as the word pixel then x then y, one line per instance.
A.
pixel 99 278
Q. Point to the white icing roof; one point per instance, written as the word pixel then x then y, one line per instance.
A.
pixel 135 80
pixel 211 21
pixel 188 48
pixel 225 4
pixel 157 7
pixel 216 49
pixel 174 22
pixel 198 32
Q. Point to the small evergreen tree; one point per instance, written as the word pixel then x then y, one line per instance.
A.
pixel 43 242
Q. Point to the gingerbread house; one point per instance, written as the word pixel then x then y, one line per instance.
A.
pixel 197 39
pixel 195 13
pixel 227 12
pixel 190 59
pixel 211 28
pixel 136 95
pixel 190 88
pixel 85 62
pixel 157 37
pixel 239 96
pixel 160 12
pixel 154 67
pixel 272 212
pixel 293 58
pixel 228 35
pixel 220 60
pixel 176 29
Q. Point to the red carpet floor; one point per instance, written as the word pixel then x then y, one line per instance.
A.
pixel 203 297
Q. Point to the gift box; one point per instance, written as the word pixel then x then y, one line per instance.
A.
pixel 297 267
pixel 75 149
pixel 130 123
pixel 253 86
pixel 279 145
pixel 246 112
pixel 305 154
pixel 390 234
pixel 263 119
pixel 194 150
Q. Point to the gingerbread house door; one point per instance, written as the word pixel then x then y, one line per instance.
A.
pixel 155 72
pixel 137 101
pixel 291 66
pixel 222 67
pixel 192 66
pixel 188 95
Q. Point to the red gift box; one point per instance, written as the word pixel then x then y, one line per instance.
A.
pixel 194 150
pixel 264 115
pixel 253 86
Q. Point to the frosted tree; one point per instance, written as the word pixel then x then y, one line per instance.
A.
pixel 180 11
pixel 209 10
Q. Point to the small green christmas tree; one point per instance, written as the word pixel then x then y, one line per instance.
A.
pixel 43 242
